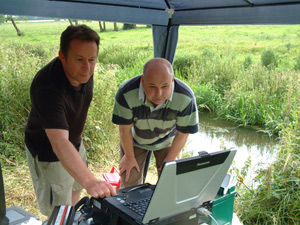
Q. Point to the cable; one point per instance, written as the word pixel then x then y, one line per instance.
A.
pixel 206 212
pixel 213 218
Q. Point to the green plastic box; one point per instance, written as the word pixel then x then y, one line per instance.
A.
pixel 222 207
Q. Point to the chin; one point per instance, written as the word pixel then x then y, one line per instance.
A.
pixel 158 103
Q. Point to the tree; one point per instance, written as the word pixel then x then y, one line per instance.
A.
pixel 115 26
pixel 15 25
pixel 102 29
pixel 70 21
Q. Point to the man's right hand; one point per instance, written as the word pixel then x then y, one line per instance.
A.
pixel 126 164
pixel 100 189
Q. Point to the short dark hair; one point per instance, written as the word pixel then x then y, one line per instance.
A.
pixel 81 32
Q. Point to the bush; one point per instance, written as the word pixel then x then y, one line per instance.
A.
pixel 247 62
pixel 128 26
pixel 100 134
pixel 124 56
pixel 297 63
pixel 16 72
pixel 269 59
pixel 184 63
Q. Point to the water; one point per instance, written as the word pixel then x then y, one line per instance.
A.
pixel 214 134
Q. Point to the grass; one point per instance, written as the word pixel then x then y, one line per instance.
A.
pixel 247 74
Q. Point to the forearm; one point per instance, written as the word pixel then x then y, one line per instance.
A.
pixel 69 157
pixel 73 163
pixel 128 160
pixel 178 144
pixel 126 140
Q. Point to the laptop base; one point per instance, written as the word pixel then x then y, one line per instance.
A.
pixel 188 218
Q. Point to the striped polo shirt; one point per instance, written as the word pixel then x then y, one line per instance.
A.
pixel 155 128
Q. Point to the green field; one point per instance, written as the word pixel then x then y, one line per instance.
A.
pixel 246 74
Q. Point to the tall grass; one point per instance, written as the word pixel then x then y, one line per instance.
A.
pixel 277 199
pixel 251 80
pixel 19 62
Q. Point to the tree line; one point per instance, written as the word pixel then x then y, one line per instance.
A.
pixel 102 24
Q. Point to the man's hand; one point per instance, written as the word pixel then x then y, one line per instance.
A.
pixel 100 189
pixel 126 164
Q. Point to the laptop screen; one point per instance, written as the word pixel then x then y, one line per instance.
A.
pixel 188 183
pixel 196 175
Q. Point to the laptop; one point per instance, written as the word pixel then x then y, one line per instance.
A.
pixel 183 185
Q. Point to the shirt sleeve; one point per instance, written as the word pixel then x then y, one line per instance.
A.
pixel 122 113
pixel 187 120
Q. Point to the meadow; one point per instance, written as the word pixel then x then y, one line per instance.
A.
pixel 246 74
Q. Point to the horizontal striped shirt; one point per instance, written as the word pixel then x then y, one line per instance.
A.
pixel 155 128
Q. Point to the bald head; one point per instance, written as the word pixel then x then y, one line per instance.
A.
pixel 157 80
pixel 157 66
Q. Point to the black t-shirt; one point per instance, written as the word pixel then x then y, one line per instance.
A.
pixel 56 104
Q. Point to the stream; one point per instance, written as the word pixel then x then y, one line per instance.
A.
pixel 215 134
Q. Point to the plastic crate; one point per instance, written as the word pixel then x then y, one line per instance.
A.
pixel 222 207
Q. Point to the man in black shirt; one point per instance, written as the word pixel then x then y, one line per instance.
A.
pixel 61 93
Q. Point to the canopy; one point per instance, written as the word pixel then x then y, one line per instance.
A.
pixel 165 16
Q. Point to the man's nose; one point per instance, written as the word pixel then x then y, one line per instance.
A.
pixel 86 65
pixel 158 92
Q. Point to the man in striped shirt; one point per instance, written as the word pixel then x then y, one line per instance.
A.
pixel 155 112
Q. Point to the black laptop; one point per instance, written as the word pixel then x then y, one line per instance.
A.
pixel 183 185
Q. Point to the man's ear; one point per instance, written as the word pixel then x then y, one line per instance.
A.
pixel 142 79
pixel 61 56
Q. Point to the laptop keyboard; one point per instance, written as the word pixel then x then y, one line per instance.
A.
pixel 138 207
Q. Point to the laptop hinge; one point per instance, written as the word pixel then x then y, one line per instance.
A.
pixel 207 205
pixel 203 154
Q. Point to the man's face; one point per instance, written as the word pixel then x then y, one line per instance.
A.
pixel 157 83
pixel 80 62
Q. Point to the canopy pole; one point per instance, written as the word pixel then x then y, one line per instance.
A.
pixel 165 40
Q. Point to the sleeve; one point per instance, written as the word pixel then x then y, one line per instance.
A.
pixel 122 113
pixel 187 120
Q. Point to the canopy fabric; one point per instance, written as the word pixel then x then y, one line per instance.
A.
pixel 162 12
pixel 165 16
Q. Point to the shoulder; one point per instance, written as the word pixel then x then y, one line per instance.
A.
pixel 45 83
pixel 129 85
pixel 182 88
pixel 46 74
pixel 132 83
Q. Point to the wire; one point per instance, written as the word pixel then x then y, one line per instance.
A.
pixel 206 212
pixel 213 218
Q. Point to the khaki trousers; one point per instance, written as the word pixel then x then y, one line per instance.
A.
pixel 53 185
pixel 136 177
